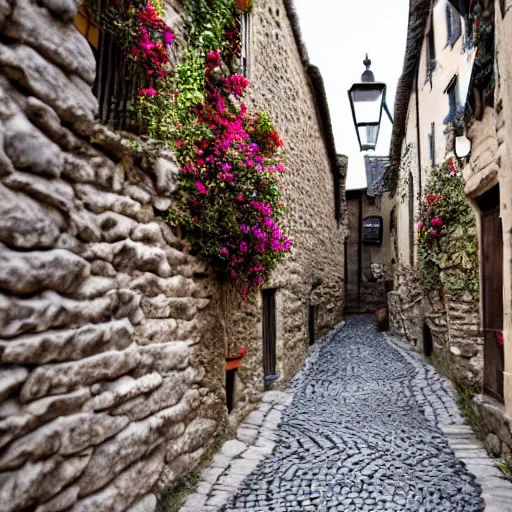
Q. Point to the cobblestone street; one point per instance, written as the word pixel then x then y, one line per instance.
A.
pixel 369 428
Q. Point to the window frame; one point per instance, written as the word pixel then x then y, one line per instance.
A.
pixel 245 43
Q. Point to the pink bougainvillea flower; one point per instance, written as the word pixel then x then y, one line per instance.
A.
pixel 168 36
pixel 226 167
pixel 148 92
pixel 244 228
pixel 421 224
pixel 437 221
pixel 258 281
pixel 243 351
pixel 240 198
pixel 244 247
pixel 179 143
pixel 223 251
pixel 201 188
pixel 262 207
pixel 213 59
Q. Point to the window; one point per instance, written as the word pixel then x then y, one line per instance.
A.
pixel 114 86
pixel 432 144
pixel 412 226
pixel 245 31
pixel 269 333
pixel 453 99
pixel 88 27
pixel 453 24
pixel 431 53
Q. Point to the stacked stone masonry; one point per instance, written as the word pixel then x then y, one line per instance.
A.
pixel 113 337
pixel 453 323
pixel 107 392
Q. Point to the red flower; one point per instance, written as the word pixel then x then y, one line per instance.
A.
pixel 243 351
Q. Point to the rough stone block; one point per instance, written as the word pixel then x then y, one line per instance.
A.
pixel 132 444
pixel 196 435
pixel 69 96
pixel 69 344
pixel 126 488
pixel 174 387
pixel 55 192
pixel 50 310
pixel 166 172
pixel 99 201
pixel 32 272
pixel 151 285
pixel 47 120
pixel 53 379
pixel 22 490
pixel 11 378
pixel 179 308
pixel 59 42
pixel 29 149
pixel 27 224
pixel 131 256
pixel 124 389
pixel 147 503
pixel 61 502
pixel 66 435
pixel 115 227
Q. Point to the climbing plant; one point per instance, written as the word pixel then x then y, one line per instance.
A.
pixel 447 237
pixel 230 203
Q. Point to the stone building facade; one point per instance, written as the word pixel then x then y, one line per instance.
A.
pixel 465 331
pixel 368 263
pixel 113 338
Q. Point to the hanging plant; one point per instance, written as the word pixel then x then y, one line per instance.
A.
pixel 139 30
pixel 447 239
pixel 230 202
pixel 244 6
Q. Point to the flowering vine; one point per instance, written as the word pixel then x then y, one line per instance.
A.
pixel 447 239
pixel 139 29
pixel 230 201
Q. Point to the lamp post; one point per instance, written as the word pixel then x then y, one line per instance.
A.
pixel 367 99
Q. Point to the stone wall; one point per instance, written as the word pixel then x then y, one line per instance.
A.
pixel 447 327
pixel 113 337
pixel 374 264
pixel 111 380
pixel 313 273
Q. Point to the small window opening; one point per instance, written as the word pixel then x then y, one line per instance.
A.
pixel 453 24
pixel 431 53
pixel 230 389
pixel 269 332
pixel 428 344
pixel 432 144
pixel 115 85
pixel 312 324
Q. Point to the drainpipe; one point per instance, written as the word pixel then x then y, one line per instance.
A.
pixel 420 187
pixel 418 134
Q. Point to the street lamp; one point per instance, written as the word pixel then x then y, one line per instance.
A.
pixel 367 99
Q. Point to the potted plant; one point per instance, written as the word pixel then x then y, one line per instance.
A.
pixel 233 362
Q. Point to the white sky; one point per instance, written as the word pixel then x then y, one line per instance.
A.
pixel 338 34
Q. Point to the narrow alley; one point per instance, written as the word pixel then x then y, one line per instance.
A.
pixel 364 432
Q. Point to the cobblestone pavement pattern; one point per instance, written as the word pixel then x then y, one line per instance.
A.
pixel 362 435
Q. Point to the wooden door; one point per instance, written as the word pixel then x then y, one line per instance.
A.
pixel 492 282
pixel 269 332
